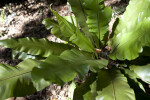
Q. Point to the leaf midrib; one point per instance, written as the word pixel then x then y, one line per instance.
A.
pixel 98 24
pixel 82 9
pixel 63 20
pixel 14 76
pixel 113 88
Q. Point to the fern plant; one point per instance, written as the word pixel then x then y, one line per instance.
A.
pixel 115 75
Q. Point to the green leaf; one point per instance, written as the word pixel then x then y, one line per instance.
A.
pixel 55 28
pixel 98 17
pixel 82 42
pixel 80 91
pixel 71 91
pixel 92 93
pixel 40 84
pixel 23 56
pixel 16 81
pixel 71 19
pixel 75 55
pixel 112 85
pixel 114 28
pixel 50 23
pixel 142 72
pixel 56 69
pixel 137 86
pixel 64 68
pixel 133 76
pixel 34 46
pixel 69 30
pixel 78 10
pixel 132 32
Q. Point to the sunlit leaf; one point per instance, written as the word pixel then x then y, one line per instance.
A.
pixel 34 46
pixel 76 36
pixel 132 32
pixel 142 72
pixel 112 85
pixel 98 17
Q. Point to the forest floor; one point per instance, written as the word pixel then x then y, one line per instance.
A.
pixel 24 19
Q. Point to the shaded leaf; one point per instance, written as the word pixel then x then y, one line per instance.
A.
pixel 84 59
pixel 142 60
pixel 80 91
pixel 137 86
pixel 40 84
pixel 78 10
pixel 64 68
pixel 16 81
pixel 56 69
pixel 91 95
pixel 23 56
pixel 114 28
pixel 146 51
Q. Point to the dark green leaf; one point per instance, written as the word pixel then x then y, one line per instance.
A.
pixel 16 81
pixel 80 91
pixel 78 10
pixel 91 95
pixel 56 69
pixel 40 84
pixel 84 59
pixel 64 68
pixel 146 51
pixel 137 86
